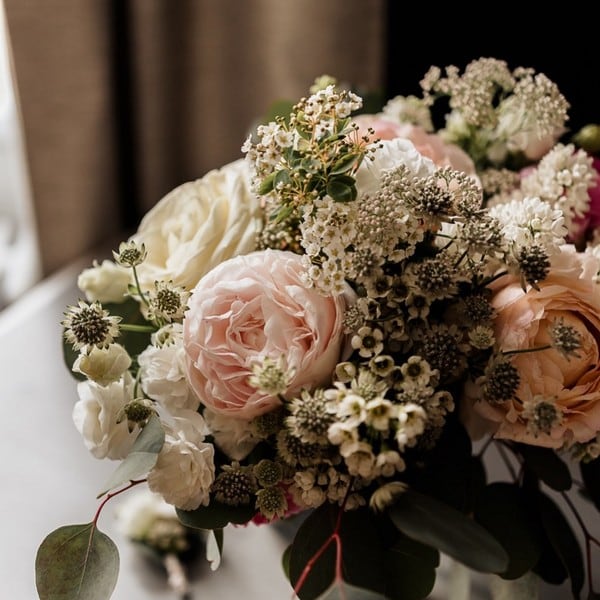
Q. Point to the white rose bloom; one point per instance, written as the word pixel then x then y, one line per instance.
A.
pixel 198 225
pixel 96 413
pixel 162 371
pixel 185 469
pixel 103 365
pixel 389 155
pixel 106 282
pixel 236 437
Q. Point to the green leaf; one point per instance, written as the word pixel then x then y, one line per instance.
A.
pixel 311 535
pixel 214 547
pixel 340 191
pixel 215 515
pixel 279 108
pixel 340 590
pixel 563 542
pixel 345 163
pixel 590 473
pixel 546 464
pixel 76 562
pixel 410 569
pixel 502 509
pixel 435 524
pixel 285 561
pixel 141 458
pixel 282 177
pixel 267 184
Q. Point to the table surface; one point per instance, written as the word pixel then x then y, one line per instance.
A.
pixel 50 480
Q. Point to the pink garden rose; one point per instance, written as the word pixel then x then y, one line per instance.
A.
pixel 252 307
pixel 571 383
pixel 427 144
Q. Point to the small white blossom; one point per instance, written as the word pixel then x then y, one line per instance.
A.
pixel 103 365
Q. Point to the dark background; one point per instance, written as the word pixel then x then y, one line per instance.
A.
pixel 562 43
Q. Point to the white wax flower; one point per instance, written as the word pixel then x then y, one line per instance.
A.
pixel 96 414
pixel 103 365
pixel 185 469
pixel 162 369
pixel 105 282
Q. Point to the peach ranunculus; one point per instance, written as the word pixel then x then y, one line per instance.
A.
pixel 431 145
pixel 198 225
pixel 254 307
pixel 572 384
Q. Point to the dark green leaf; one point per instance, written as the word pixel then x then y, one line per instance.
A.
pixel 341 192
pixel 141 458
pixel 590 472
pixel 76 562
pixel 285 561
pixel 593 595
pixel 410 569
pixel 435 524
pixel 563 541
pixel 502 509
pixel 266 185
pixel 282 177
pixel 311 165
pixel 345 163
pixel 279 108
pixel 215 515
pixel 341 590
pixel 311 535
pixel 546 464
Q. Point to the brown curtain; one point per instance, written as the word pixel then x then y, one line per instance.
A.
pixel 123 100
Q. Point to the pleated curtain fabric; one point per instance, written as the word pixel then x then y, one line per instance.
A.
pixel 123 100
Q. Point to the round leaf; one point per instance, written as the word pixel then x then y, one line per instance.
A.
pixel 215 515
pixel 340 191
pixel 340 590
pixel 546 464
pixel 502 509
pixel 435 524
pixel 76 562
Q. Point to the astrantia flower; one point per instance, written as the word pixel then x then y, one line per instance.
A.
pixel 89 325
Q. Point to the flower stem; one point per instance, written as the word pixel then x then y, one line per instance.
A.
pixel 137 328
pixel 139 287
pixel 526 350
pixel 131 484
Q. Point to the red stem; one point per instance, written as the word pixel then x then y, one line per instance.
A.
pixel 132 483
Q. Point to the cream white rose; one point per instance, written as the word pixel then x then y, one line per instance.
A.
pixel 162 370
pixel 96 414
pixel 185 469
pixel 104 282
pixel 103 365
pixel 236 437
pixel 198 225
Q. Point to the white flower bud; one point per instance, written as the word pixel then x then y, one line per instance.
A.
pixel 103 365
pixel 106 282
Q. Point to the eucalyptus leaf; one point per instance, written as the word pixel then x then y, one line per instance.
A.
pixel 563 541
pixel 341 590
pixel 141 458
pixel 436 524
pixel 76 562
pixel 214 547
pixel 590 473
pixel 215 515
pixel 503 509
pixel 546 464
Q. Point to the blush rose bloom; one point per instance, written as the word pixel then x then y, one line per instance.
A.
pixel 523 318
pixel 431 145
pixel 252 307
pixel 199 225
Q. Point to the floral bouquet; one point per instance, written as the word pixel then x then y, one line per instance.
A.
pixel 344 325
